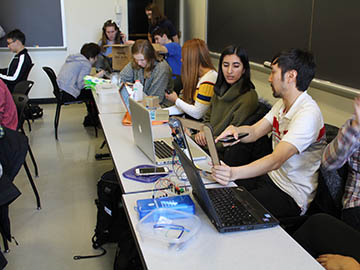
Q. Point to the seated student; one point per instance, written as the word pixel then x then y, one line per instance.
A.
pixel 8 112
pixel 158 20
pixel 288 176
pixel 72 73
pixel 154 74
pixel 198 77
pixel 235 98
pixel 171 49
pixel 346 147
pixel 20 64
pixel 331 241
pixel 111 34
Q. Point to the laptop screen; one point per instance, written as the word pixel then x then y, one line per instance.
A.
pixel 125 95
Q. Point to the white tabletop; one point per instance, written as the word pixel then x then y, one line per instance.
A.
pixel 109 103
pixel 266 249
pixel 126 154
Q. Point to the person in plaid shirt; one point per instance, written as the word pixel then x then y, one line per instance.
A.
pixel 346 147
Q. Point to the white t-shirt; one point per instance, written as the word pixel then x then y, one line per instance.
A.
pixel 303 127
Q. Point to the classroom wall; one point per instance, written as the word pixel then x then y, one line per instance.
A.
pixel 84 20
pixel 194 19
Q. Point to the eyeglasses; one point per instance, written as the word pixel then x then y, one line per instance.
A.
pixel 9 43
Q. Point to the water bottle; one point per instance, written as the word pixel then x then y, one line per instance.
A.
pixel 138 91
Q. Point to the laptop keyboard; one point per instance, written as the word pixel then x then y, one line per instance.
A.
pixel 230 210
pixel 163 150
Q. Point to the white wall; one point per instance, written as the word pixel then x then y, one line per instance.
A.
pixel 83 22
pixel 195 19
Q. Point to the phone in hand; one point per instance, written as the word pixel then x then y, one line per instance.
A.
pixel 151 171
pixel 230 139
pixel 168 91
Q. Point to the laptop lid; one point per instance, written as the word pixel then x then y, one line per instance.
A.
pixel 125 96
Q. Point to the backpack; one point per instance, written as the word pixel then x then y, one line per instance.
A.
pixel 33 111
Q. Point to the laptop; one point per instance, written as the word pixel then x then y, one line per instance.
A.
pixel 159 151
pixel 230 208
pixel 125 96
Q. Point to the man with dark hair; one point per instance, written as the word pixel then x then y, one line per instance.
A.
pixel 285 180
pixel 72 73
pixel 172 50
pixel 21 64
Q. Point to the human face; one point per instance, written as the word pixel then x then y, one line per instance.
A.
pixel 148 14
pixel 276 80
pixel 140 60
pixel 12 44
pixel 232 68
pixel 160 39
pixel 110 33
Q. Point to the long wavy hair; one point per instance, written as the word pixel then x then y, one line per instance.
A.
pixel 242 54
pixel 156 15
pixel 118 39
pixel 195 53
pixel 144 47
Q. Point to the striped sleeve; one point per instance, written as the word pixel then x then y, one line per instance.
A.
pixel 17 71
pixel 205 92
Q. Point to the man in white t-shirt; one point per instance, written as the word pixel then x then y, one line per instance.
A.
pixel 284 181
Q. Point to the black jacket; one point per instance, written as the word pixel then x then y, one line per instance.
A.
pixel 18 69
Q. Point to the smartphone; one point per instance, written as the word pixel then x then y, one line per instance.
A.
pixel 151 171
pixel 230 139
pixel 169 91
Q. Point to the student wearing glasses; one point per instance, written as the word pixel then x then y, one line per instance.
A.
pixel 153 73
pixel 20 65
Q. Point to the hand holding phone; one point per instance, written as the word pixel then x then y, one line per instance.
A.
pixel 151 171
pixel 230 139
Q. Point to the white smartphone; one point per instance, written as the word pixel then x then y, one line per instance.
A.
pixel 151 171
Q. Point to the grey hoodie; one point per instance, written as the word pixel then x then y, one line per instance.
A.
pixel 72 73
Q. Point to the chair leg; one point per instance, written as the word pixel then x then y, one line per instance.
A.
pixel 103 144
pixel 56 120
pixel 28 121
pixel 33 186
pixel 33 161
pixel 5 242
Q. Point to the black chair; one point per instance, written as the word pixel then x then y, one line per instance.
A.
pixel 21 102
pixel 59 99
pixel 24 88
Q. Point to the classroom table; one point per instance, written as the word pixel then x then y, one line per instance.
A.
pixel 270 249
pixel 125 154
pixel 110 103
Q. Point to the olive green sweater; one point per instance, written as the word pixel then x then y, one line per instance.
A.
pixel 232 108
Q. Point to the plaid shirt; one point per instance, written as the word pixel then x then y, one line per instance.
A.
pixel 346 147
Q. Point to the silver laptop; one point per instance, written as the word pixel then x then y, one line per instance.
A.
pixel 159 151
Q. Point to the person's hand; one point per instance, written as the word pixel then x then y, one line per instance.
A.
pixel 338 262
pixel 171 97
pixel 123 36
pixel 222 173
pixel 356 121
pixel 100 74
pixel 200 138
pixel 229 131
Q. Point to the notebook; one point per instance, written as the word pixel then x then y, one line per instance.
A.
pixel 159 151
pixel 230 208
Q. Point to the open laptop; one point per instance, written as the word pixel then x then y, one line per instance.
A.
pixel 159 151
pixel 229 208
pixel 125 96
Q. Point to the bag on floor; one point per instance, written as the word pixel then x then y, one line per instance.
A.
pixel 33 111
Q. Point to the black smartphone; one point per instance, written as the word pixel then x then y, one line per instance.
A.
pixel 168 91
pixel 230 139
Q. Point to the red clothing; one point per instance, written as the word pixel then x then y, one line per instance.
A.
pixel 8 113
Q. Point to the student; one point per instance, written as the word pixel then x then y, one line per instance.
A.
pixel 331 241
pixel 20 64
pixel 346 147
pixel 171 49
pixel 288 176
pixel 72 73
pixel 111 34
pixel 154 74
pixel 8 112
pixel 235 98
pixel 198 77
pixel 157 20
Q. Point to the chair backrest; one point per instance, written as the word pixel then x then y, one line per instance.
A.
pixel 23 87
pixel 262 109
pixel 26 75
pixel 51 73
pixel 21 101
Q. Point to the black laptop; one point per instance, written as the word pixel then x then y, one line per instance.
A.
pixel 229 208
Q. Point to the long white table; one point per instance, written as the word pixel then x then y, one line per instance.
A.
pixel 270 249
pixel 126 154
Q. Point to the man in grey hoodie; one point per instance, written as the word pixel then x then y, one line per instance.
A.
pixel 72 73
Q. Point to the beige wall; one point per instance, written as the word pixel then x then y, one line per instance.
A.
pixel 194 19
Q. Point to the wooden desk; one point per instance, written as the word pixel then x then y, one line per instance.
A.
pixel 268 249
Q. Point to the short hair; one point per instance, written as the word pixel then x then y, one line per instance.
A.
pixel 144 47
pixel 160 32
pixel 16 35
pixel 90 50
pixel 300 60
pixel 243 56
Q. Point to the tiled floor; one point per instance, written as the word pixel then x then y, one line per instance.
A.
pixel 68 173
